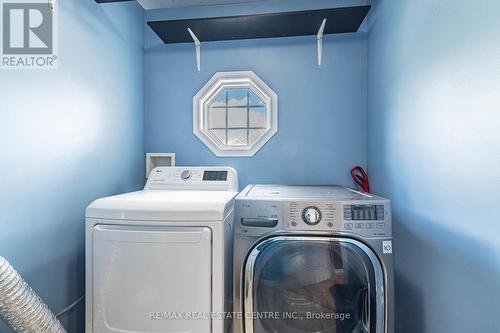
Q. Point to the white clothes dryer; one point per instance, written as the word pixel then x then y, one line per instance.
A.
pixel 160 259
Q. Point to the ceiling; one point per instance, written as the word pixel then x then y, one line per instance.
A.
pixel 157 4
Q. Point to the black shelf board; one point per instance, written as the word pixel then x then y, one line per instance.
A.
pixel 284 24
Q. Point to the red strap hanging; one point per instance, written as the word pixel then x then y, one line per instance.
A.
pixel 360 176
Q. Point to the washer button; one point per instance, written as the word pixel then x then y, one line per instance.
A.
pixel 348 226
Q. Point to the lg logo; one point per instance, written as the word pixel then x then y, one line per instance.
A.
pixel 27 29
pixel 387 247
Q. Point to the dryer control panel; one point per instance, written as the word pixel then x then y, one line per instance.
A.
pixel 193 178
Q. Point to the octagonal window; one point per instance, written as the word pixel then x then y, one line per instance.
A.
pixel 235 114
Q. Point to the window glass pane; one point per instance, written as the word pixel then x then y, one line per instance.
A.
pixel 237 96
pixel 237 118
pixel 217 118
pixel 316 286
pixel 220 135
pixel 258 117
pixel 220 100
pixel 254 99
pixel 254 134
pixel 236 137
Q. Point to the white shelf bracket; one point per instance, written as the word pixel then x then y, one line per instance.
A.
pixel 197 46
pixel 52 4
pixel 319 38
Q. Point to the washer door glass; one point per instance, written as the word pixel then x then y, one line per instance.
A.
pixel 313 284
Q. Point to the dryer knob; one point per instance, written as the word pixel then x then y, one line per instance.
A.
pixel 311 215
pixel 186 174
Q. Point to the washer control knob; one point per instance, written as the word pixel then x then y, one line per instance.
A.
pixel 186 174
pixel 311 215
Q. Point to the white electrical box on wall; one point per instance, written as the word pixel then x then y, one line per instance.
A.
pixel 154 160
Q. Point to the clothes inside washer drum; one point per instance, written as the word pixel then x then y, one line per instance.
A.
pixel 308 284
pixel 347 299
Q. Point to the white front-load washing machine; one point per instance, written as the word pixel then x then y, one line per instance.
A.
pixel 312 259
pixel 160 259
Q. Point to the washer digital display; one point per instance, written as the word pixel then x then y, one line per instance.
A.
pixel 364 212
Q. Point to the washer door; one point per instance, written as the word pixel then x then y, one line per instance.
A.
pixel 299 284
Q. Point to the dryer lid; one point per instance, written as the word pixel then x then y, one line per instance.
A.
pixel 163 205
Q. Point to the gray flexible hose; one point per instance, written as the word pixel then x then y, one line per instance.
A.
pixel 20 306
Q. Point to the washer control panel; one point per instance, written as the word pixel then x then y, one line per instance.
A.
pixel 365 218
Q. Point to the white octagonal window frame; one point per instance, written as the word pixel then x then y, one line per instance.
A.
pixel 208 94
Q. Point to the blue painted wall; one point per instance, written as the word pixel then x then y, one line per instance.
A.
pixel 67 137
pixel 322 111
pixel 428 76
pixel 434 149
